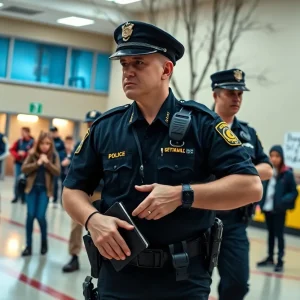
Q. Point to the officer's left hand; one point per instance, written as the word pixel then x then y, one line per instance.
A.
pixel 162 200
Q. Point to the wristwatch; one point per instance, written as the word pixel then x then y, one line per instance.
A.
pixel 187 198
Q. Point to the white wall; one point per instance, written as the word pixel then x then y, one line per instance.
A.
pixel 272 109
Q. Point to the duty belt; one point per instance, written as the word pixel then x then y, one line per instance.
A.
pixel 157 258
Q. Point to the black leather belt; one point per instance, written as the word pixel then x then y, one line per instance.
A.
pixel 157 258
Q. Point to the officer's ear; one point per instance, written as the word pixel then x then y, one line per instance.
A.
pixel 168 70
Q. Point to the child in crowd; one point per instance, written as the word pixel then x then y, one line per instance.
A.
pixel 40 167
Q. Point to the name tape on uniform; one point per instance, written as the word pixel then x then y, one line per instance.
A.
pixel 177 150
pixel 227 134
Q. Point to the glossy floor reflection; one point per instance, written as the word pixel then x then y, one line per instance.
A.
pixel 40 277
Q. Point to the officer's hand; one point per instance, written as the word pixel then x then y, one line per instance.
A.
pixel 106 237
pixel 162 200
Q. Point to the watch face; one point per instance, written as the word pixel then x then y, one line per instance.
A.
pixel 188 197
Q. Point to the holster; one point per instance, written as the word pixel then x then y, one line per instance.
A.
pixel 94 256
pixel 214 244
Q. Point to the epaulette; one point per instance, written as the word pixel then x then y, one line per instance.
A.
pixel 111 112
pixel 199 107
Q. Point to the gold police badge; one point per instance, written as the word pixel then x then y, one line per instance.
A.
pixel 226 133
pixel 238 75
pixel 127 30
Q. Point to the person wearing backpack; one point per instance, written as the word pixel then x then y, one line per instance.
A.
pixel 40 167
pixel 279 195
pixel 19 151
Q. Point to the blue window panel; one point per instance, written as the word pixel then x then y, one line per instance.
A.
pixel 81 69
pixel 102 73
pixel 4 45
pixel 36 62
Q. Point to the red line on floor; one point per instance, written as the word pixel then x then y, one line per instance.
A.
pixel 276 275
pixel 35 284
pixel 57 237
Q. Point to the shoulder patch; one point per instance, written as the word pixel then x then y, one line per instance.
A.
pixel 198 107
pixel 4 139
pixel 77 151
pixel 230 138
pixel 112 111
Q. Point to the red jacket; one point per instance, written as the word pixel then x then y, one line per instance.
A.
pixel 21 144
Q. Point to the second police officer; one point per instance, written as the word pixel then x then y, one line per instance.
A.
pixel 228 87
pixel 162 182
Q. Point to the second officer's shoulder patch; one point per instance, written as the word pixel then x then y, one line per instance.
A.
pixel 226 133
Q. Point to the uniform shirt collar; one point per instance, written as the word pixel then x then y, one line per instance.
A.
pixel 164 115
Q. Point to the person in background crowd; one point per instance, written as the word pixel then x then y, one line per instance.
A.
pixel 60 149
pixel 19 151
pixel 75 241
pixel 4 150
pixel 40 167
pixel 280 194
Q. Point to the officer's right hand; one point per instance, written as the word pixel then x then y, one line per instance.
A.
pixel 106 237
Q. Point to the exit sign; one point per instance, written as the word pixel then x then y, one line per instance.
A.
pixel 35 108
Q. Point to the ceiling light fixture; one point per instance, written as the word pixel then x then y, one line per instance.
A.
pixel 123 1
pixel 75 21
pixel 27 118
pixel 1 4
pixel 59 122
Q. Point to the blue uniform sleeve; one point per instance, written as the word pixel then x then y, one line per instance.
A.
pixel 225 154
pixel 86 169
pixel 260 155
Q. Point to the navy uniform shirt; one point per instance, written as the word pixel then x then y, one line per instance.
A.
pixel 248 136
pixel 109 151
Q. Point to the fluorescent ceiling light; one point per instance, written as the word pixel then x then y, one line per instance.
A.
pixel 1 4
pixel 59 122
pixel 75 21
pixel 123 1
pixel 27 118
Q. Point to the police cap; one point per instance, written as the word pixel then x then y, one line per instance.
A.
pixel 233 79
pixel 92 115
pixel 138 38
pixel 53 129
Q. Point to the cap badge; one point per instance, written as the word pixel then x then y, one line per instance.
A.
pixel 238 75
pixel 92 114
pixel 127 30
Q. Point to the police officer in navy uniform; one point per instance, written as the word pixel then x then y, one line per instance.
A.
pixel 75 240
pixel 161 181
pixel 228 87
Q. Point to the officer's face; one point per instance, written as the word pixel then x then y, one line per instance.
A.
pixel 144 75
pixel 275 159
pixel 228 102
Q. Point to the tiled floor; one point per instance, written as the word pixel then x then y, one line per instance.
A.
pixel 40 277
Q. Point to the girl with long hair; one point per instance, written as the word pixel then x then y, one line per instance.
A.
pixel 40 167
pixel 280 194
